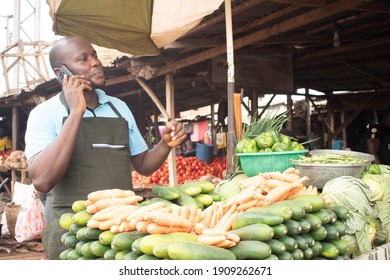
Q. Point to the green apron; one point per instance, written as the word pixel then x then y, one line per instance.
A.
pixel 92 167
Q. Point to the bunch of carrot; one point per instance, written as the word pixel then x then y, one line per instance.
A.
pixel 169 219
pixel 108 217
pixel 102 199
pixel 274 186
pixel 213 230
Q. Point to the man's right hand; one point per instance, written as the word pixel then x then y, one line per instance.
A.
pixel 74 88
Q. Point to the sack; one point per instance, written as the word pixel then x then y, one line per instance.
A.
pixel 221 140
pixel 30 222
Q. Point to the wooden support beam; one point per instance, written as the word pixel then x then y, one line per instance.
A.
pixel 273 30
pixel 170 99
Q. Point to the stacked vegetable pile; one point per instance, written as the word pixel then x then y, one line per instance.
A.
pixel 187 168
pixel 270 216
pixel 368 202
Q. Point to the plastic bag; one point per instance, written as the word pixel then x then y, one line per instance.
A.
pixel 30 222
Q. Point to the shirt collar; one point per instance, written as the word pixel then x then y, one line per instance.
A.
pixel 102 97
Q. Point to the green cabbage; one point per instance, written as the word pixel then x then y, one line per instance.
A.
pixel 355 195
pixel 379 186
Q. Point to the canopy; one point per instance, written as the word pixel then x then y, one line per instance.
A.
pixel 130 26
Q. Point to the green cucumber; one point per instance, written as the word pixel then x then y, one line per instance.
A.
pixel 298 211
pixel 136 246
pixel 248 218
pixel 341 244
pixel 73 255
pixel 205 199
pixel 215 196
pixel 106 237
pixel 187 200
pixel 316 201
pixel 309 238
pixel 293 227
pixel 98 249
pixel 301 241
pixel 147 243
pixel 282 210
pixel 78 246
pixel 146 257
pixel 323 215
pixel 306 227
pixel 285 256
pixel 319 234
pixel 123 240
pixel 80 234
pixel 271 257
pixel 332 215
pixel 341 227
pixel 280 231
pixel 260 232
pixel 297 254
pixel 93 233
pixel 85 250
pixel 190 189
pixel 276 246
pixel 329 250
pixel 120 256
pixel 251 250
pixel 332 232
pixel 110 254
pixel 315 221
pixel 184 250
pixel 132 255
pixel 317 249
pixel 308 253
pixel 290 243
pixel 341 211
pixel 166 192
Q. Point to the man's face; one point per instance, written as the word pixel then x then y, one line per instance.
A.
pixel 81 59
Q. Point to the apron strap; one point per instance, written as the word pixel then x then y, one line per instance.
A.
pixel 63 101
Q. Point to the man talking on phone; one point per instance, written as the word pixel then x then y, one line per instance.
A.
pixel 83 140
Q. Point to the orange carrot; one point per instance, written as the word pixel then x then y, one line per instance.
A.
pixel 154 229
pixel 113 211
pixel 109 193
pixel 211 239
pixel 166 219
pixel 125 226
pixel 222 223
pixel 225 244
pixel 142 226
pixel 248 205
pixel 92 223
pixel 105 225
pixel 213 232
pixel 233 237
pixel 199 228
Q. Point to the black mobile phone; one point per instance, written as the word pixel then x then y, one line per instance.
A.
pixel 64 70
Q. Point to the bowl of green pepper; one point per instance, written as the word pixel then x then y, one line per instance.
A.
pixel 323 165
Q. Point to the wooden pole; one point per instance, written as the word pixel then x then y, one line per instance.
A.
pixel 170 99
pixel 230 88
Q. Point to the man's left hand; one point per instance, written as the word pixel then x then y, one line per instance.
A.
pixel 174 133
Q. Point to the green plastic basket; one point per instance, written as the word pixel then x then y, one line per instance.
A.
pixel 254 163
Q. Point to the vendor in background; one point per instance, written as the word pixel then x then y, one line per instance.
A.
pixel 378 143
pixel 5 141
pixel 83 140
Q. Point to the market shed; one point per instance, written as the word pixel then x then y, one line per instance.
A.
pixel 279 46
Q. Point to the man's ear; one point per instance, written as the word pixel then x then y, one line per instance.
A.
pixel 56 71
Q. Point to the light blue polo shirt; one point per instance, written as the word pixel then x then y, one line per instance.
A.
pixel 45 122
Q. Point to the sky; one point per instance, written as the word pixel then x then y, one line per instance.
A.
pixel 27 33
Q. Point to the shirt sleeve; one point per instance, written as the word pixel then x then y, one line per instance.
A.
pixel 40 132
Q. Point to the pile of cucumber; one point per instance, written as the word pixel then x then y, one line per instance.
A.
pixel 300 228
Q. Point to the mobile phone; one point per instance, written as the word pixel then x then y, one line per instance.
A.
pixel 64 70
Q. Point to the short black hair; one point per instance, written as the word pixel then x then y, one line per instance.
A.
pixel 55 54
